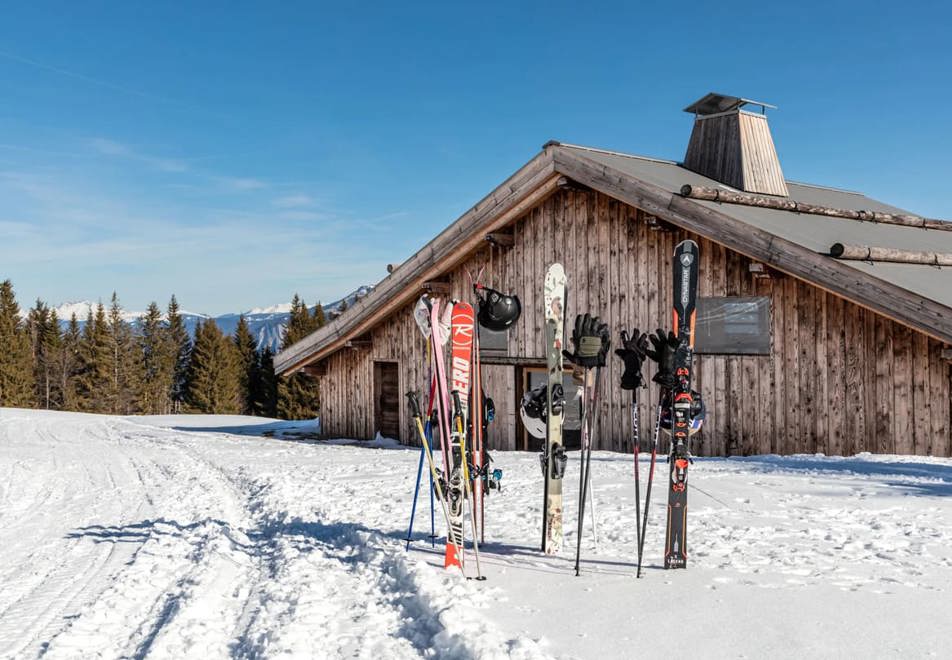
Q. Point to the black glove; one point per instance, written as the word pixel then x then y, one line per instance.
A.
pixel 665 348
pixel 590 340
pixel 633 355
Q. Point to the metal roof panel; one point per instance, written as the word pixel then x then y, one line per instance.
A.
pixel 814 232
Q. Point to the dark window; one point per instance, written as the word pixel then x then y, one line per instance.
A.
pixel 492 342
pixel 733 326
pixel 571 421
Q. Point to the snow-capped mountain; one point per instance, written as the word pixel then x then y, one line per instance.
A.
pixel 265 323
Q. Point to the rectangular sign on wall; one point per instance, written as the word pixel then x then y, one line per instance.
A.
pixel 733 325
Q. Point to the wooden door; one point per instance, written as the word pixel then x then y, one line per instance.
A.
pixel 387 399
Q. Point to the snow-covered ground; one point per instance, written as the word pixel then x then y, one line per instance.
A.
pixel 213 537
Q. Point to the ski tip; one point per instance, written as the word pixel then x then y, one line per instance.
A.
pixel 452 556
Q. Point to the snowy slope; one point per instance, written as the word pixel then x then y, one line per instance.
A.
pixel 147 537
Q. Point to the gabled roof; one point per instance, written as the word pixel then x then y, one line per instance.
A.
pixel 915 295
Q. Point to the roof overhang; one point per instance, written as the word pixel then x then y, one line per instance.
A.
pixel 838 278
pixel 537 180
pixel 519 193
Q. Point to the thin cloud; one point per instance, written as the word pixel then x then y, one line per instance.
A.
pixel 111 148
pixel 299 215
pixel 293 201
pixel 241 184
pixel 124 89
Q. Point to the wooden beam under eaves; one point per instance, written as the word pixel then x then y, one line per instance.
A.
pixel 438 288
pixel 565 183
pixel 501 239
pixel 315 370
pixel 357 344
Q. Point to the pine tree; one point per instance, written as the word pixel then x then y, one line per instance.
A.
pixel 68 366
pixel 266 396
pixel 213 374
pixel 249 377
pixel 319 319
pixel 181 347
pixel 43 327
pixel 298 396
pixel 158 359
pixel 94 378
pixel 123 362
pixel 16 366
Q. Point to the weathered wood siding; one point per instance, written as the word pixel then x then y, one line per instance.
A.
pixel 840 379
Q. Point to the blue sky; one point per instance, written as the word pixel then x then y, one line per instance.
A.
pixel 235 153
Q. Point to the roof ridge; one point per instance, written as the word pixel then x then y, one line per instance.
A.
pixel 614 153
pixel 582 147
pixel 820 186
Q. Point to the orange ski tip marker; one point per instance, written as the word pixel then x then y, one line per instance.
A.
pixel 451 558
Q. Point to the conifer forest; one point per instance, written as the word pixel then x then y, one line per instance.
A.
pixel 104 364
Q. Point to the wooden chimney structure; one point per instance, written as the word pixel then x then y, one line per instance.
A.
pixel 733 146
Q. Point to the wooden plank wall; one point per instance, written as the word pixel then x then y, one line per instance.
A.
pixel 840 379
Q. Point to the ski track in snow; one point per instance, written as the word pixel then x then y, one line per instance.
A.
pixel 124 540
pixel 128 538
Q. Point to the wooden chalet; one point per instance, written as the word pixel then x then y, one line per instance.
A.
pixel 825 317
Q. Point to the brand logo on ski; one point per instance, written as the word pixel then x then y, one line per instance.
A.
pixel 685 287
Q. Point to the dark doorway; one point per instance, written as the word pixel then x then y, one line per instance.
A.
pixel 387 399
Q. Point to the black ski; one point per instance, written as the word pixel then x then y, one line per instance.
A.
pixel 682 403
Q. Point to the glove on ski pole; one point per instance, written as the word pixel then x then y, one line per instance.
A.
pixel 633 354
pixel 665 347
pixel 590 340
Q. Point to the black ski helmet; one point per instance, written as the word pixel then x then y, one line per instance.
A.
pixel 498 311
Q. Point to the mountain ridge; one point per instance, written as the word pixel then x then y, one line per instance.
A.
pixel 265 323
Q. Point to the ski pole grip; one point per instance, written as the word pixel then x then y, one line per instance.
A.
pixel 414 403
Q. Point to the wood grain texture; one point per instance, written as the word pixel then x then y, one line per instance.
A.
pixel 840 379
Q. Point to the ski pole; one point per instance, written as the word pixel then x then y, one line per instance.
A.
pixel 415 410
pixel 591 507
pixel 428 432
pixel 416 492
pixel 593 434
pixel 586 459
pixel 651 471
pixel 636 441
pixel 466 481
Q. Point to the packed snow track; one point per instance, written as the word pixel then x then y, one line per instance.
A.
pixel 204 537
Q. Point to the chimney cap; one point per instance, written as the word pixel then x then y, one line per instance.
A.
pixel 714 103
